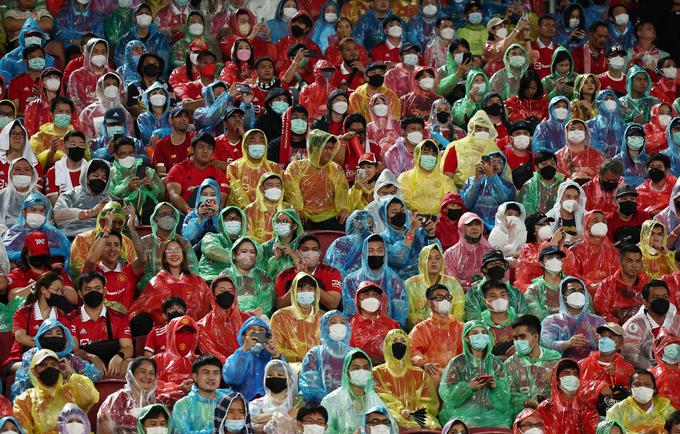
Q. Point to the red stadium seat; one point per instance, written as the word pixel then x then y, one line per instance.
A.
pixel 7 340
pixel 326 238
pixel 106 387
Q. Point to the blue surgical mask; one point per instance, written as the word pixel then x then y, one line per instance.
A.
pixel 606 345
pixel 479 341
pixel 305 298
pixel 475 17
pixel 428 162
pixel 62 120
pixel 279 106
pixel 676 137
pixel 256 348
pixel 256 151
pixel 234 425
pixel 298 126
pixel 232 227
pixel 522 347
pixel 37 64
pixel 671 354
pixel 636 142
pixel 282 229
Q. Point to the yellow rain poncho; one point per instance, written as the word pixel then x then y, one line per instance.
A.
pixel 416 286
pixel 655 264
pixel 404 386
pixel 245 174
pixel 423 191
pixel 294 332
pixel 636 420
pixel 470 149
pixel 83 242
pixel 260 213
pixel 318 192
pixel 38 408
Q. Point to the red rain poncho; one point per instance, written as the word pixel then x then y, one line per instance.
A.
pixel 593 370
pixel 529 268
pixel 418 102
pixel 315 96
pixel 446 229
pixel 82 84
pixel 655 134
pixel 616 301
pixel 598 197
pixel 667 376
pixel 595 259
pixel 38 111
pixel 463 260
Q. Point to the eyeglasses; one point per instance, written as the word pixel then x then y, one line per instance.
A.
pixel 16 135
pixel 376 422
pixel 446 297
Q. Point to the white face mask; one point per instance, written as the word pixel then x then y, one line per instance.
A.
pixel 157 100
pixel 513 220
pixel 642 394
pixel 574 22
pixel 569 383
pixel 337 332
pixel 481 87
pixel 670 72
pixel 553 265
pixel 569 205
pixel 610 105
pixel 616 62
pixel 621 19
pixel 330 17
pixel 576 300
pixel 144 20
pixel 561 113
pixel 33 220
pixel 502 33
pixel 664 120
pixel 500 305
pixel 99 60
pixel 111 92
pixel 371 304
pixel 360 378
pixel 310 258
pixel 484 135
pixel 448 33
pixel 458 58
pixel 533 431
pixel 313 429
pixel 232 227
pixel 127 162
pixel 75 428
pixel 430 10
pixel 411 59
pixel 415 137
pixel 156 430
pixel 598 229
pixel 443 306
pixel 21 181
pixel 340 107
pixel 52 84
pixel 289 12
pixel 426 83
pixel 521 142
pixel 32 40
pixel 380 109
pixel 196 29
pixel 576 136
pixel 380 429
pixel 395 31
pixel 545 233
pixel 193 57
pixel 273 194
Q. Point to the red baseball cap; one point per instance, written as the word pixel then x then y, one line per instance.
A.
pixel 37 244
pixel 368 158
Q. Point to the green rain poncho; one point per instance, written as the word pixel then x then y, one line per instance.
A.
pixel 448 76
pixel 255 289
pixel 137 197
pixel 536 195
pixel 631 107
pixel 550 80
pixel 216 248
pixel 117 24
pixel 346 410
pixel 485 407
pixel 275 266
pixel 474 301
pixel 146 410
pixel 464 108
pixel 605 427
pixel 529 376
pixel 506 80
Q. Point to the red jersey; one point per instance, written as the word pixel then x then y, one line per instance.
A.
pixel 586 60
pixel 190 177
pixel 4 174
pixel 545 54
pixel 155 340
pixel 23 89
pixel 87 330
pixel 53 188
pixel 618 85
pixel 22 277
pixel 329 279
pixel 168 154
pixel 383 53
pixel 226 150
pixel 514 160
pixel 120 283
pixel 614 222
pixel 29 318
pixel 343 77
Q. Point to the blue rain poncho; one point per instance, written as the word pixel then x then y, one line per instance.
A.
pixel 71 24
pixel 156 43
pixel 420 29
pixel 344 253
pixel 210 117
pixel 606 129
pixel 194 413
pixel 550 134
pixel 193 230
pixel 631 107
pixel 148 123
pixel 128 70
pixel 386 278
pixel 634 168
pixel 673 150
pixel 12 64
pixel 368 30
pixel 323 29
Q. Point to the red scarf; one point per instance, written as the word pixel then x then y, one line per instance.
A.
pixel 284 145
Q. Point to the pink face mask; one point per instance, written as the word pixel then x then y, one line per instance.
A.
pixel 246 259
pixel 243 54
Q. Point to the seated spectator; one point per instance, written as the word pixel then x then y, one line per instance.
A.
pixel 637 102
pixel 154 417
pixel 204 217
pixel 654 193
pixel 482 399
pixel 542 295
pixel 155 120
pixel 670 216
pixel 641 329
pixel 312 418
pixel 451 209
pixel 661 116
pixel 348 403
pixel 20 88
pixel 657 260
pixel 375 268
pixel 29 33
pixel 248 274
pixel 72 418
pixel 540 192
pixel 509 232
pixel 571 331
pixel 232 415
pixel 329 279
pixel 9 423
pixel 145 30
pixel 65 174
pixel 47 142
pixel 50 392
pixel 345 252
pixel 606 364
pixel 517 150
pixel 175 363
pixel 174 278
pixel 23 182
pixel 464 258
pixel 582 105
pixel 184 178
pixel 103 334
pixel 216 246
pixel 109 90
pixel 399 155
pixel 644 409
pixel 128 69
pixel 54 336
pixel 634 154
pixel 529 104
pixel 370 324
pixel 279 251
pixel 619 296
pixel 419 100
pixel 217 103
pixel 244 369
pixel 568 211
pixel 571 407
pixel 281 396
pixel 476 86
pixel 14 144
pixel 526 420
pixel 272 104
pixel 550 133
pixel 143 192
pixel 363 191
pixel 531 365
pixel 82 83
pixel 173 307
pixel 117 412
pixel 296 327
pixel 436 339
pixel 76 210
pixel 600 191
pixel 627 218
pixel 560 81
pixel 173 148
pixel 498 317
pixel 666 372
pixel 506 81
pixel 386 185
pixel 607 127
pixel 578 160
pixel 194 412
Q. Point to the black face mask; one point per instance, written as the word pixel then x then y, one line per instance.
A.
pixel 376 80
pixel 174 314
pixel 660 306
pixel 297 31
pixel 75 154
pixel 547 172
pixel 276 384
pixel 398 350
pixel 656 175
pixel 49 376
pixel 93 299
pixel 399 219
pixel 443 117
pixel 496 272
pixel 494 109
pixel 54 343
pixel 151 70
pixel 39 261
pixel 609 185
pixel 472 240
pixel 225 300
pixel 97 185
pixel 375 262
pixel 454 214
pixel 627 208
pixel 677 205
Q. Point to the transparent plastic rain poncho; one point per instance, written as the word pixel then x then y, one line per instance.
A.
pixel 386 178
pixel 194 413
pixel 667 375
pixel 146 410
pixel 128 70
pixel 82 83
pixel 69 414
pixel 550 134
pixel 592 369
pixel 579 213
pixel 506 81
pixel 634 167
pixel 607 128
pixel 22 381
pixel 274 266
pixel 464 108
pixel 673 150
pixel 558 328
pixel 147 122
pixel 261 211
pixel 507 239
pixel 216 247
pixel 92 117
pixel 474 300
pixel 318 192
pixel 12 64
pixel 193 229
pixel 38 408
pixel 464 259
pixel 295 332
pixel 529 377
pixel 281 422
pixel 210 117
pixel 596 259
pixel 670 216
pixel 404 386
pixel 416 287
pixel 221 414
pixel 638 340
pixel 636 420
pixel 11 200
pixel 485 407
pixel 423 191
pixel 631 107
pixel 386 278
pixel 346 410
pixel 321 370
pixel 655 264
pixel 218 328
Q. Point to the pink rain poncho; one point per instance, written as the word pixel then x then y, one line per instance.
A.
pixel 82 84
pixel 464 259
pixel 92 116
